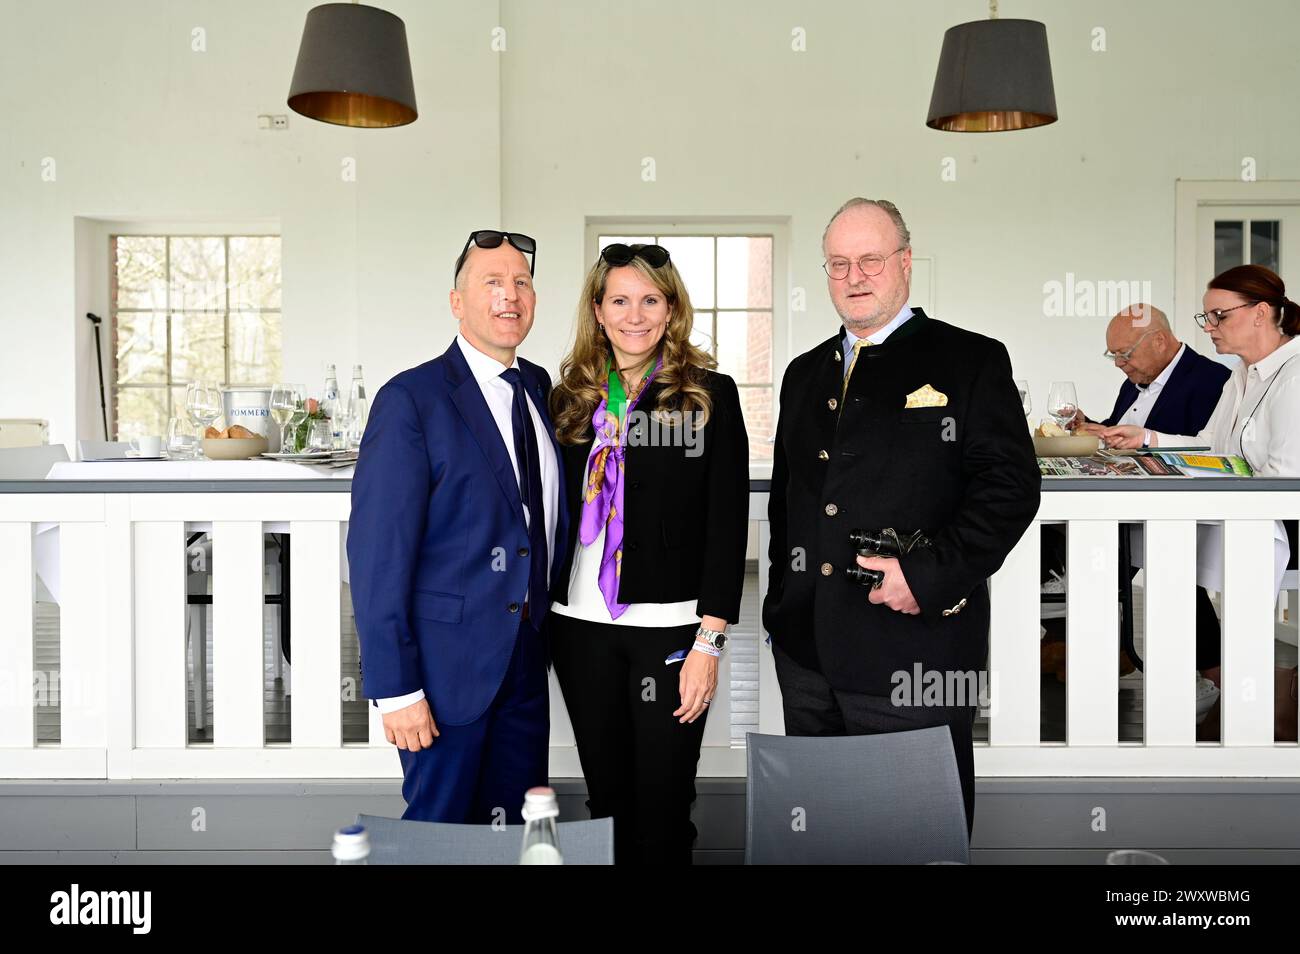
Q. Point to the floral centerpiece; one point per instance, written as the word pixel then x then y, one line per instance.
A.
pixel 313 412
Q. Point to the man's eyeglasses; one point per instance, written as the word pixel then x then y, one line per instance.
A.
pixel 1215 315
pixel 491 238
pixel 871 265
pixel 1127 355
pixel 618 254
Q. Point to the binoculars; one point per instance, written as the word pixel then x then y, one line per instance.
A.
pixel 886 542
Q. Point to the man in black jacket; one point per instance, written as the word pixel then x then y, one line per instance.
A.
pixel 905 422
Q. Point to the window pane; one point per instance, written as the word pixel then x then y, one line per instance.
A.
pixel 760 421
pixel 745 346
pixel 1265 243
pixel 141 412
pixel 693 257
pixel 702 331
pixel 140 272
pixel 198 345
pixel 198 273
pixel 744 272
pixel 255 348
pixel 254 271
pixel 141 348
pixel 1229 247
pixel 625 239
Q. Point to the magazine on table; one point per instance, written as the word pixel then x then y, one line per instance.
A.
pixel 1145 464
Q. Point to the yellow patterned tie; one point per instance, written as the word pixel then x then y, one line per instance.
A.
pixel 857 349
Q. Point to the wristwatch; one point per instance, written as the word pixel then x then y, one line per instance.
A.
pixel 711 636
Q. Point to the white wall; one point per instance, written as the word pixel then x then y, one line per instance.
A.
pixel 142 127
pixel 554 129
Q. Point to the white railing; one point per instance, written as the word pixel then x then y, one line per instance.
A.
pixel 123 677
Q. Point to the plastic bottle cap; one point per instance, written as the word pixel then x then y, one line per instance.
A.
pixel 540 802
pixel 351 842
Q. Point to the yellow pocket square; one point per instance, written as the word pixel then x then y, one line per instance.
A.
pixel 926 397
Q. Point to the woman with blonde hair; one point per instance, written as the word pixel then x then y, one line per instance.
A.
pixel 656 473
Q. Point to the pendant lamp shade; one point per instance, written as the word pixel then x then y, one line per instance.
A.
pixel 994 76
pixel 353 68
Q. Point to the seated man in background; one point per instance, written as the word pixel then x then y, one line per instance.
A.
pixel 1167 382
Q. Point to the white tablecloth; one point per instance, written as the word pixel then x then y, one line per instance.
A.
pixel 45 551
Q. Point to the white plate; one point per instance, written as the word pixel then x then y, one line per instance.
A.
pixel 105 460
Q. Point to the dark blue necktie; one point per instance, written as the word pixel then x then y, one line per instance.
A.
pixel 530 489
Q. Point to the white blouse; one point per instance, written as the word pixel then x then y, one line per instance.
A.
pixel 1258 415
pixel 588 603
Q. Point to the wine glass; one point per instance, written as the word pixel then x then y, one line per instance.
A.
pixel 203 404
pixel 1062 402
pixel 299 415
pixel 1026 400
pixel 285 399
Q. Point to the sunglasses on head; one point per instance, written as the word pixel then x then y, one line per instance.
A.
pixel 656 256
pixel 491 238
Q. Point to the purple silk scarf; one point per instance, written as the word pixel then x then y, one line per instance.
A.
pixel 602 503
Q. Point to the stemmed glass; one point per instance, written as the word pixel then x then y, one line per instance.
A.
pixel 299 413
pixel 1062 402
pixel 285 401
pixel 203 404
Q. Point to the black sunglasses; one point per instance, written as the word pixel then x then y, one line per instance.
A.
pixel 491 238
pixel 656 256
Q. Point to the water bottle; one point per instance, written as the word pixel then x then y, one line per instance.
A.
pixel 330 404
pixel 351 846
pixel 541 840
pixel 358 408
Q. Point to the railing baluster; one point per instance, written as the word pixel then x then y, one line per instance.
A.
pixel 315 639
pixel 1169 646
pixel 17 636
pixel 1247 700
pixel 1092 633
pixel 237 690
pixel 1014 646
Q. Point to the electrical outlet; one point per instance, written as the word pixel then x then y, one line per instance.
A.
pixel 279 122
pixel 264 121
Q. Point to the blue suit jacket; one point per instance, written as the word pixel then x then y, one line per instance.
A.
pixel 436 529
pixel 1185 402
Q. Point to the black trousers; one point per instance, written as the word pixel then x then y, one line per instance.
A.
pixel 813 707
pixel 639 761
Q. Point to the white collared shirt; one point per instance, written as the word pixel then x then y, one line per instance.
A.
pixel 1140 409
pixel 500 397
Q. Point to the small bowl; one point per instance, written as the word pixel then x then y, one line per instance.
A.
pixel 233 448
pixel 1076 445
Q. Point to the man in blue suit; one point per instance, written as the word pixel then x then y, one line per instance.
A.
pixel 455 513
pixel 1167 383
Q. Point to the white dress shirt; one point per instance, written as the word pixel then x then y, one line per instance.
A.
pixel 500 397
pixel 1140 409
pixel 586 601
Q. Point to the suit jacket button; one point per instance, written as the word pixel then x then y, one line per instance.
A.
pixel 827 569
pixel 523 551
pixel 513 607
pixel 838 356
pixel 632 546
pixel 822 455
pixel 832 404
pixel 832 510
pixel 636 484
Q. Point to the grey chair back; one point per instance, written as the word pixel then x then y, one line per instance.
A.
pixel 102 450
pixel 893 798
pixel 394 841
pixel 30 463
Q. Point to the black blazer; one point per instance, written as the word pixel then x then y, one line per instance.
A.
pixel 964 473
pixel 1187 399
pixel 687 509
